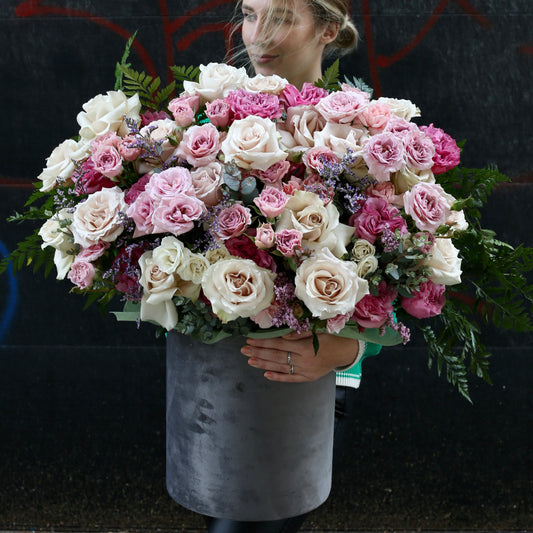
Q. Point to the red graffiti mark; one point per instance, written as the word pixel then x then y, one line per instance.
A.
pixel 526 49
pixel 16 183
pixel 32 8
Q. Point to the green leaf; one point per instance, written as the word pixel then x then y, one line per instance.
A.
pixel 184 73
pixel 123 63
pixel 330 79
pixel 358 83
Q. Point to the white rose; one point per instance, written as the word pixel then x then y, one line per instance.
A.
pixel 238 288
pixel 159 130
pixel 253 143
pixel 362 248
pixel 99 218
pixel 105 113
pixel 169 255
pixel 273 84
pixel 193 267
pixel 401 108
pixel 319 224
pixel 216 80
pixel 217 254
pixel 329 286
pixel 60 163
pixel 206 181
pixel 457 221
pixel 444 263
pixel 367 265
pixel 342 137
pixel 297 132
pixel 158 291
pixel 406 178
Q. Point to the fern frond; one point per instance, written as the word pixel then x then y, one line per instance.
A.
pixel 358 83
pixel 145 86
pixel 183 73
pixel 330 79
pixel 123 63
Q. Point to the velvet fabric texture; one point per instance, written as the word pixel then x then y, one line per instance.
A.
pixel 239 446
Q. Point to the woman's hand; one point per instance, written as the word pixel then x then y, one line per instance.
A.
pixel 272 355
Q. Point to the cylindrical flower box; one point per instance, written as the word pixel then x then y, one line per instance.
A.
pixel 239 446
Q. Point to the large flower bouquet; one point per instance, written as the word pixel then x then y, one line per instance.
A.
pixel 245 205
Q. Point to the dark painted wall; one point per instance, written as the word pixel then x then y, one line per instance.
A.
pixel 81 397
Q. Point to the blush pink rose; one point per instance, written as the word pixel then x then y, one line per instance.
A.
pixel 137 188
pixel 206 182
pixel 419 150
pixel 288 241
pixel 428 206
pixel 177 214
pixel 337 323
pixel 108 139
pixel 141 212
pixel 128 149
pixel 244 103
pixel 233 221
pixel 184 108
pixel 341 107
pixel 243 246
pixel 81 273
pixel 107 161
pixel 384 153
pixel 373 311
pixel 375 117
pixel 218 112
pixel 309 95
pixel 316 158
pixel 427 302
pixel 265 236
pixel 447 153
pixel 274 173
pixel 169 182
pixel 93 252
pixel 88 180
pixel 293 185
pixel 200 145
pixel 271 202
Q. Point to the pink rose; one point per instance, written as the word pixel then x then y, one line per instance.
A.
pixel 88 180
pixel 218 112
pixel 233 221
pixel 288 241
pixel 137 188
pixel 244 103
pixel 169 182
pixel 427 302
pixel 243 246
pixel 108 139
pixel 399 126
pixel 93 252
pixel 337 323
pixel 206 182
pixel 419 150
pixel 126 266
pixel 309 95
pixel 81 273
pixel 177 214
pixel 447 153
pixel 373 311
pixel 294 184
pixel 141 212
pixel 376 216
pixel 387 191
pixel 375 117
pixel 341 107
pixel 384 153
pixel 107 161
pixel 265 236
pixel 184 108
pixel 271 202
pixel 200 145
pixel 427 205
pixel 315 158
pixel 274 173
pixel 128 149
pixel 151 116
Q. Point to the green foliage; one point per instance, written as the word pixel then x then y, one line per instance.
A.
pixel 183 73
pixel 330 79
pixel 358 83
pixel 123 63
pixel 29 253
pixel 147 87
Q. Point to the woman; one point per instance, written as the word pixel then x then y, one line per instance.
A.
pixel 290 38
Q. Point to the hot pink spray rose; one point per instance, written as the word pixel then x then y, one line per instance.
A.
pixel 373 311
pixel 244 103
pixel 447 153
pixel 309 95
pixel 427 302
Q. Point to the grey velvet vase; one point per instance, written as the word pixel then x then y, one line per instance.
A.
pixel 239 446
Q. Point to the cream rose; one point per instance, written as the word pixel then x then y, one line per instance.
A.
pixel 273 84
pixel 60 163
pixel 238 288
pixel 206 181
pixel 444 263
pixel 406 178
pixel 329 286
pixel 367 265
pixel 340 138
pixel 216 80
pixel 169 255
pixel 99 218
pixel 401 108
pixel 457 221
pixel 105 113
pixel 297 131
pixel 253 144
pixel 362 248
pixel 217 254
pixel 319 224
pixel 193 267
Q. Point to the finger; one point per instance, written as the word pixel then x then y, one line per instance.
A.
pixel 280 356
pixel 294 335
pixel 285 378
pixel 263 364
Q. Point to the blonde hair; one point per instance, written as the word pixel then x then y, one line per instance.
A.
pixel 324 12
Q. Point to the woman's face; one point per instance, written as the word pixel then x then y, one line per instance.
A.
pixel 294 43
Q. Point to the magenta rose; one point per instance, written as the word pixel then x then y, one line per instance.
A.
pixel 419 150
pixel 309 95
pixel 176 214
pixel 243 246
pixel 127 270
pixel 218 112
pixel 376 216
pixel 233 221
pixel 81 273
pixel 137 188
pixel 141 212
pixel 244 103
pixel 427 205
pixel 341 107
pixel 288 241
pixel 200 145
pixel 107 161
pixel 169 182
pixel 384 153
pixel 271 202
pixel 373 311
pixel 427 302
pixel 184 108
pixel 88 180
pixel 447 153
pixel 151 116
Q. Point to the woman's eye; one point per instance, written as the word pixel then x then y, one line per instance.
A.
pixel 249 17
